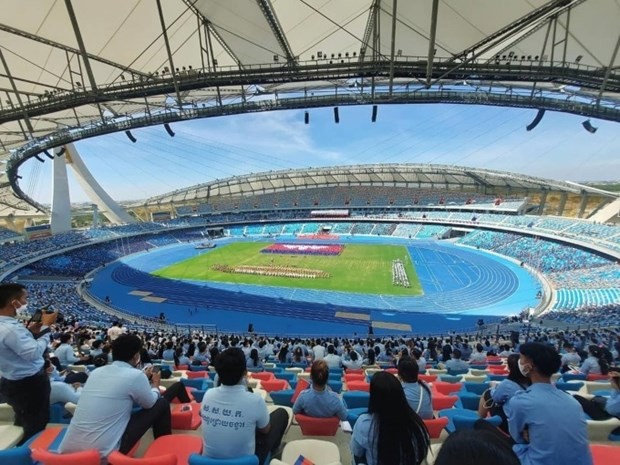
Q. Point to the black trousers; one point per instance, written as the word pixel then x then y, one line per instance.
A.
pixel 269 442
pixel 177 390
pixel 30 399
pixel 594 408
pixel 157 417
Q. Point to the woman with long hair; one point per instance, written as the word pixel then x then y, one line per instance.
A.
pixel 254 362
pixel 596 363
pixel 417 392
pixel 284 355
pixel 391 433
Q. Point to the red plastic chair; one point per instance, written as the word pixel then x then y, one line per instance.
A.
pixel 197 374
pixel 86 457
pixel 441 402
pixel 446 388
pixel 274 385
pixel 605 455
pixel 186 419
pixel 354 371
pixel 263 375
pixel 171 449
pixel 594 377
pixel 428 378
pixel 311 426
pixel 358 386
pixel 302 385
pixel 46 438
pixel 181 367
pixel 436 426
pixel 348 377
pixel 392 371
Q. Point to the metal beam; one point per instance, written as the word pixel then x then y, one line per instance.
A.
pixel 170 60
pixel 370 25
pixel 17 94
pixel 276 28
pixel 393 45
pixel 431 43
pixel 608 72
pixel 80 41
pixel 51 43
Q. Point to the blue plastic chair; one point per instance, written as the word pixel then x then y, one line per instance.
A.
pixel 16 456
pixel 196 459
pixel 335 386
pixel 476 388
pixel 198 368
pixel 563 386
pixel 57 413
pixel 356 399
pixel 450 413
pixel 196 383
pixel 497 377
pixel 457 372
pixel 614 437
pixel 282 397
pixel 450 378
pixel 287 375
pixel 461 422
pixel 335 376
pixel 208 383
pixel 573 377
pixel 274 369
pixel 199 394
pixel 354 413
pixel 469 400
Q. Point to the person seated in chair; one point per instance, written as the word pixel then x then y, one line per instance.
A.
pixel 236 422
pixel 318 400
pixel 455 363
pixel 417 392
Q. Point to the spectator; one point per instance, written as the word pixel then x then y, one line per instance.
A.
pixel 478 357
pixel 65 354
pixel 493 400
pixel 417 392
pixel 600 408
pixel 103 419
pixel 596 363
pixel 180 358
pixel 547 424
pixel 333 361
pixel 455 363
pixel 168 353
pixel 253 361
pixel 469 447
pixel 318 351
pixel 391 432
pixel 115 331
pixel 61 391
pixel 318 400
pixel 354 361
pixel 236 422
pixel 24 384
pixel 570 358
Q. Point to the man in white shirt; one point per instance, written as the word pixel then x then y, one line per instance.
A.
pixel 103 419
pixel 236 422
pixel 318 352
pixel 115 331
pixel 333 361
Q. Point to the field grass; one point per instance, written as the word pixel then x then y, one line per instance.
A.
pixel 359 268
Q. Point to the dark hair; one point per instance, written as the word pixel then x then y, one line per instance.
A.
pixel 319 373
pixel 65 337
pixel 371 357
pixel 475 447
pixel 177 353
pixel 479 347
pixel 9 292
pixel 97 343
pixel 409 371
pixel 331 349
pixel 545 358
pixel 230 366
pixel 603 364
pixel 125 347
pixel 353 355
pixel 298 354
pixel 456 353
pixel 202 347
pixel 400 434
pixel 514 374
pixel 254 357
pixel 282 353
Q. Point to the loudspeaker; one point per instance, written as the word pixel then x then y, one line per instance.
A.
pixel 39 158
pixel 168 129
pixel 131 137
pixel 336 115
pixel 536 120
pixel 373 118
pixel 48 155
pixel 588 127
pixel 306 118
pixel 250 328
pixel 61 152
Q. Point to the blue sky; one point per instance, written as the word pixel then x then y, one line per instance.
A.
pixel 465 135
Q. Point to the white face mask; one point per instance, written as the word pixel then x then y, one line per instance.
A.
pixel 524 371
pixel 22 310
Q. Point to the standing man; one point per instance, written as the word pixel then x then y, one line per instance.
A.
pixel 24 383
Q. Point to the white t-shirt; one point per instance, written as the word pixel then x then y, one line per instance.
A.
pixel 230 416
pixel 319 352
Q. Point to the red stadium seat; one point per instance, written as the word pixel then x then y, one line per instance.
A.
pixel 311 426
pixel 358 386
pixel 87 457
pixel 165 450
pixel 595 377
pixel 302 384
pixel 441 402
pixel 184 417
pixel 428 378
pixel 181 367
pixel 350 371
pixel 446 388
pixel 263 375
pixel 348 377
pixel 436 426
pixel 197 374
pixel 274 385
pixel 605 455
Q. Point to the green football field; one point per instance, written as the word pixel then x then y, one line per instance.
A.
pixel 359 268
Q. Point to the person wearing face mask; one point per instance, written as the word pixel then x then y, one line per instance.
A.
pixel 105 418
pixel 24 384
pixel 546 423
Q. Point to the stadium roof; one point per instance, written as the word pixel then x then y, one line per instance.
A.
pixel 400 175
pixel 76 68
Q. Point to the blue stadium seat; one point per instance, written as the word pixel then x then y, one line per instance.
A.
pixel 356 399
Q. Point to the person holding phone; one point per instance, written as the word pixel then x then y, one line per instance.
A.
pixel 24 384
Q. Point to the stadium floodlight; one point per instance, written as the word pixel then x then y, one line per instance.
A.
pixel 373 118
pixel 588 126
pixel 168 129
pixel 131 136
pixel 336 115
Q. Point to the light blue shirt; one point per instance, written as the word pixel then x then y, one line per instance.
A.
pixel 320 404
pixel 362 439
pixel 557 428
pixel 63 393
pixel 65 355
pixel 105 407
pixel 590 366
pixel 413 392
pixel 457 364
pixel 230 416
pixel 505 391
pixel 21 355
pixel 612 406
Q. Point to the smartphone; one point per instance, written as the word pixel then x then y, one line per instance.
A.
pixel 156 369
pixel 36 318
